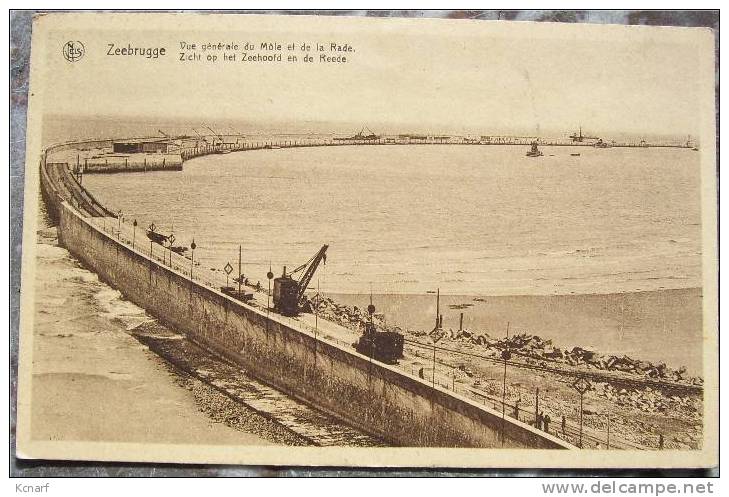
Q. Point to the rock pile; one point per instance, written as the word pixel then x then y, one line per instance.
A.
pixel 532 348
pixel 651 401
pixel 539 349
pixel 351 317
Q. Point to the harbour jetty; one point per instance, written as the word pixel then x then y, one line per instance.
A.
pixel 382 400
pixel 170 152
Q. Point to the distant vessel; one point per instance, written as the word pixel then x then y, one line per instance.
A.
pixel 602 144
pixel 580 138
pixel 575 155
pixel 534 151
pixel 361 136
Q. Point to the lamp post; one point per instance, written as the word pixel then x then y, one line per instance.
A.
pixel 151 229
pixel 582 386
pixel 119 217
pixel 316 308
pixel 192 257
pixel 134 232
pixel 434 341
pixel 269 275
pixel 506 355
pixel 240 272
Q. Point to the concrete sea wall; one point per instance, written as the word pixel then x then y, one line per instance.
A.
pixel 376 398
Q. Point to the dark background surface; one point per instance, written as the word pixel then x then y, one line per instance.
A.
pixel 20 32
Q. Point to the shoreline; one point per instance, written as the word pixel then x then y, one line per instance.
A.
pixel 658 326
pixel 82 347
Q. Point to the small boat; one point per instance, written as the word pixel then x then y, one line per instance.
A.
pixel 534 151
pixel 178 249
pixel 575 155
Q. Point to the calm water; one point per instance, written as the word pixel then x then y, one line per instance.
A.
pixel 407 219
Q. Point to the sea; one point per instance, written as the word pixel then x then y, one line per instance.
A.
pixel 468 220
pixel 604 248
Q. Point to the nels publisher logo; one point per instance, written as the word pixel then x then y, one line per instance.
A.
pixel 73 51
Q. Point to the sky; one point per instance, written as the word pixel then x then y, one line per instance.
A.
pixel 413 74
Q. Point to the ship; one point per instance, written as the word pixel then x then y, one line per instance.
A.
pixel 580 137
pixel 534 151
pixel 361 136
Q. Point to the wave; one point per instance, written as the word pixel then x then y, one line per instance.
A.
pixel 114 307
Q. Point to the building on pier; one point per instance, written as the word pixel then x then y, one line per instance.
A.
pixel 161 146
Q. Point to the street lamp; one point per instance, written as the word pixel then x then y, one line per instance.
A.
pixel 582 386
pixel 505 355
pixel 151 228
pixel 192 257
pixel 134 233
pixel 269 275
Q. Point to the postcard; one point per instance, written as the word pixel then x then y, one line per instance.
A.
pixel 342 241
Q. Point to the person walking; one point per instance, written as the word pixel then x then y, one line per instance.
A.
pixel 516 409
pixel 540 419
pixel 547 419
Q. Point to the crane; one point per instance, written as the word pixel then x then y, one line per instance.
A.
pixel 288 293
pixel 200 136
pixel 220 137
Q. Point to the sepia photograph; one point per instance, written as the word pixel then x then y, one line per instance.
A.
pixel 356 241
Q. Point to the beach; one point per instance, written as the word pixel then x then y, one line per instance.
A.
pixel 93 381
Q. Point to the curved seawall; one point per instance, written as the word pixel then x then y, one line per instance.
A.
pixel 376 398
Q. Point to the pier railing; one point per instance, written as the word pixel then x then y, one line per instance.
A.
pixel 599 430
pixel 595 436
